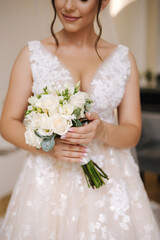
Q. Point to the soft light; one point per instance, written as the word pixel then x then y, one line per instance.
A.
pixel 117 5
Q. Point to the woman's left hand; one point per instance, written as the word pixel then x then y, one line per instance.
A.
pixel 86 133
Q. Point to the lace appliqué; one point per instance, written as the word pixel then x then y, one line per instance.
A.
pixel 108 86
pixel 46 68
pixel 119 203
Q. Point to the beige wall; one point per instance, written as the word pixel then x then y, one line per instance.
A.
pixel 153 36
pixel 138 26
pixel 131 26
pixel 24 20
pixel 158 38
pixel 20 21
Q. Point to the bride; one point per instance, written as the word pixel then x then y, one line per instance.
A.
pixel 51 200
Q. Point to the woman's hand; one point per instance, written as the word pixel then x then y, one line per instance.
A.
pixel 63 151
pixel 85 134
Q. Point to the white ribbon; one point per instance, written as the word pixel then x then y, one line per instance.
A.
pixel 85 160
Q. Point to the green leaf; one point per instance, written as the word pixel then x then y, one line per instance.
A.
pixel 77 112
pixel 66 92
pixel 84 120
pixel 28 112
pixel 37 134
pixel 48 144
pixel 67 97
pixel 58 93
pixel 34 108
pixel 43 137
pixel 89 101
pixel 77 123
pixel 40 110
pixel 61 102
pixel 87 106
pixel 39 96
pixel 77 88
pixel 45 90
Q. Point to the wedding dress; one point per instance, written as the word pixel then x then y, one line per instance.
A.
pixel 51 200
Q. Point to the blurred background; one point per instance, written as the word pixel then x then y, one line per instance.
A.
pixel 137 25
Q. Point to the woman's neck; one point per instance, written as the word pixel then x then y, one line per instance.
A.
pixel 82 38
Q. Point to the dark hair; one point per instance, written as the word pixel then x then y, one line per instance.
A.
pixel 98 23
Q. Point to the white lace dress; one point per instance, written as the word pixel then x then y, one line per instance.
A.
pixel 51 200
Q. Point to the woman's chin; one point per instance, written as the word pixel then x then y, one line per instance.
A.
pixel 71 28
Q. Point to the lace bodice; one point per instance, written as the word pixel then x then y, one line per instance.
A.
pixel 106 88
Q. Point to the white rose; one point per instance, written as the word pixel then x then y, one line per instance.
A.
pixel 66 109
pixel 30 118
pixel 33 100
pixel 78 99
pixel 42 121
pixel 31 138
pixel 48 102
pixel 61 124
pixel 37 120
pixel 33 120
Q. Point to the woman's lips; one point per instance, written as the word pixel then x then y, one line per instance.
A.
pixel 70 18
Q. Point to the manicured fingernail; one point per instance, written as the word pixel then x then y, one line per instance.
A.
pixel 63 137
pixel 86 150
pixel 84 154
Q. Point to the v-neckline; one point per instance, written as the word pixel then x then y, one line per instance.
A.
pixel 70 73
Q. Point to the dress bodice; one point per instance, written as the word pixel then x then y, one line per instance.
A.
pixel 106 88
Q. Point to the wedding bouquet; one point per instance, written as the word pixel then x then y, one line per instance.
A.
pixel 51 114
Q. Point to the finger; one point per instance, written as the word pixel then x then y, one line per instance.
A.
pixel 84 129
pixel 63 141
pixel 67 142
pixel 68 136
pixel 74 148
pixel 72 154
pixel 68 159
pixel 79 141
pixel 92 116
pixel 73 160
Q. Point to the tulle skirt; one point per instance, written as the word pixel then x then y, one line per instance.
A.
pixel 51 201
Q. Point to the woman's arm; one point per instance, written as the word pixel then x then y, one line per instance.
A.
pixel 124 135
pixel 20 88
pixel 11 123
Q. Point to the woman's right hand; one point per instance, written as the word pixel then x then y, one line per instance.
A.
pixel 63 151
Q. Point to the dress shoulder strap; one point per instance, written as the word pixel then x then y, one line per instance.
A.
pixel 34 48
pixel 123 55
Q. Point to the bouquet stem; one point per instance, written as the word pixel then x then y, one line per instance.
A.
pixel 94 174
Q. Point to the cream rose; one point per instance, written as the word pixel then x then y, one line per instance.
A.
pixel 34 120
pixel 48 103
pixel 61 124
pixel 78 99
pixel 66 109
pixel 31 138
pixel 33 100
